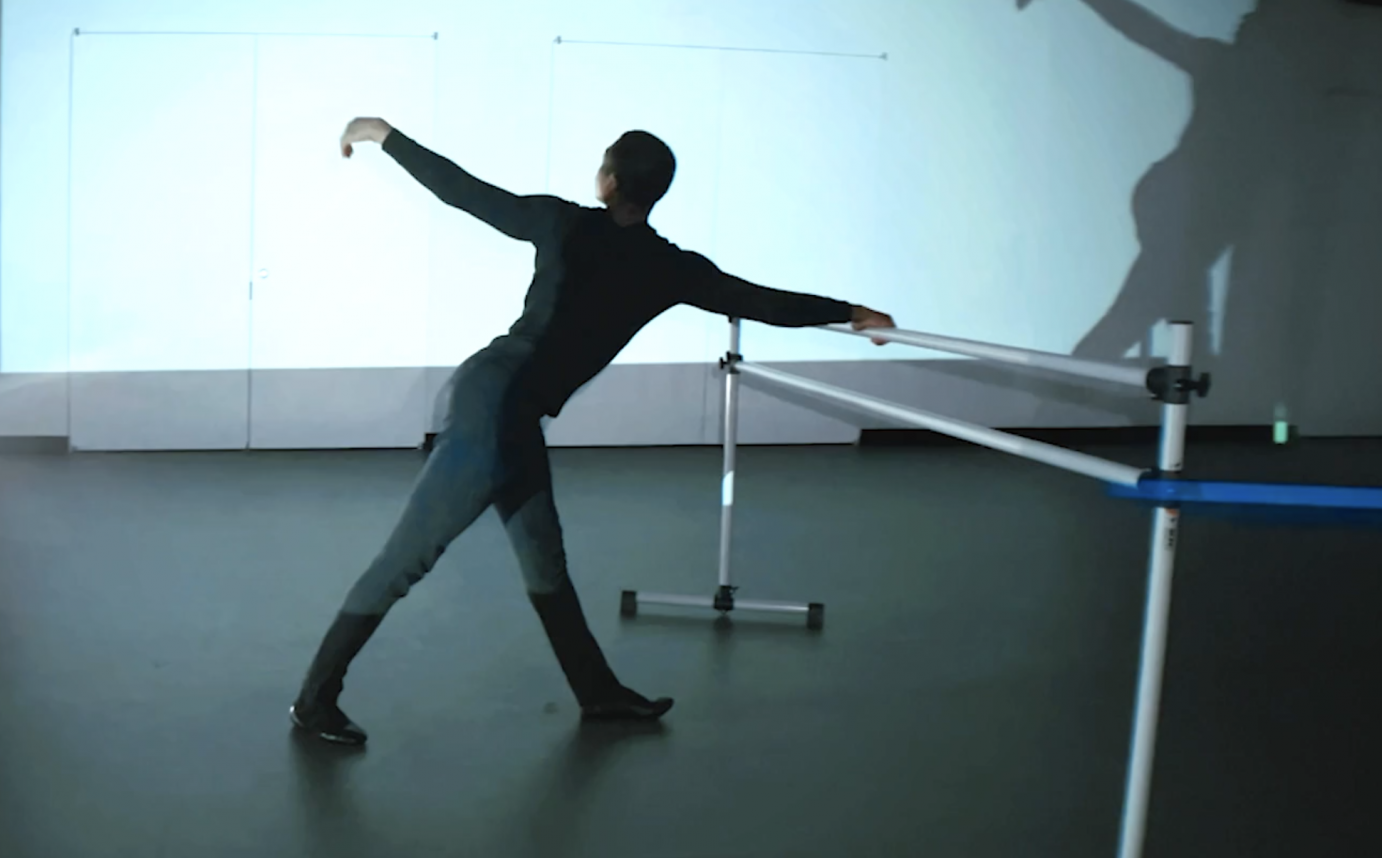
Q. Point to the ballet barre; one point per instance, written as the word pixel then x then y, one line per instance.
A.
pixel 1097 370
pixel 1172 383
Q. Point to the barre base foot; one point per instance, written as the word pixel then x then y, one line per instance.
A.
pixel 723 602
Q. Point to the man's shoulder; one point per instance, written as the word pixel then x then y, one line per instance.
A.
pixel 569 219
pixel 691 260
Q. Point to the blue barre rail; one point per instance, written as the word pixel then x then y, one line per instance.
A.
pixel 1158 490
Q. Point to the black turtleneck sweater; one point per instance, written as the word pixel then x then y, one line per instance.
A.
pixel 596 283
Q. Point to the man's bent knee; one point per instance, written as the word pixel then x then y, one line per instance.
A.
pixel 543 564
pixel 543 583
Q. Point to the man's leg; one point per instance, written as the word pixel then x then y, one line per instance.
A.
pixel 454 488
pixel 524 502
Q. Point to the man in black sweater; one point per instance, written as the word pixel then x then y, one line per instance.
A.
pixel 601 275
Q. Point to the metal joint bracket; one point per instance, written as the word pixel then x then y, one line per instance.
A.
pixel 1174 385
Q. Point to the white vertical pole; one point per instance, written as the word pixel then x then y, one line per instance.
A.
pixel 731 442
pixel 1165 524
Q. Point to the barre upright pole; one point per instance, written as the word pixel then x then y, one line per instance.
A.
pixel 731 445
pixel 724 599
pixel 1161 563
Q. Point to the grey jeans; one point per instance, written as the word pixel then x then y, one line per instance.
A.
pixel 490 451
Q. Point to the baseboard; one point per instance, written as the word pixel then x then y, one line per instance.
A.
pixel 1121 435
pixel 1072 437
pixel 33 444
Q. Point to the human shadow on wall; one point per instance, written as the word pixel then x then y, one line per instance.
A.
pixel 1232 190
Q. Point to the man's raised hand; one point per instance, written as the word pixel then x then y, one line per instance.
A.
pixel 363 129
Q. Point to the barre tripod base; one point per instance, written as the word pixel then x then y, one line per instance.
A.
pixel 725 602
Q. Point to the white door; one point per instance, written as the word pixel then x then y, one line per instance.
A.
pixel 160 222
pixel 340 246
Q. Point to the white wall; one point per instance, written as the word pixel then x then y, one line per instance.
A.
pixel 1008 148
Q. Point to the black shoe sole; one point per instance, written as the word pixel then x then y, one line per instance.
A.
pixel 333 738
pixel 628 713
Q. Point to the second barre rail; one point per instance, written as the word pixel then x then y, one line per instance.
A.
pixel 1050 454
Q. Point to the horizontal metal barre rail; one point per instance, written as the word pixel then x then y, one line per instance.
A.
pixel 1128 375
pixel 1060 457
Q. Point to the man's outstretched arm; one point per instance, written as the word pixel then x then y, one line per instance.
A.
pixel 708 288
pixel 520 217
pixel 1148 30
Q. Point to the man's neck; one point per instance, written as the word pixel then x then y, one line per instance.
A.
pixel 626 215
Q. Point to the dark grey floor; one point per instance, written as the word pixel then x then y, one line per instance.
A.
pixel 970 696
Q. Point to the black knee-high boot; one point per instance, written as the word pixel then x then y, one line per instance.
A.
pixel 315 709
pixel 598 691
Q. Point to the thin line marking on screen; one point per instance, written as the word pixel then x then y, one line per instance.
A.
pixel 81 32
pixel 564 41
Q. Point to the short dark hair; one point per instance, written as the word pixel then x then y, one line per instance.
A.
pixel 643 166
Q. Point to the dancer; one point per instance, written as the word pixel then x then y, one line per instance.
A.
pixel 601 275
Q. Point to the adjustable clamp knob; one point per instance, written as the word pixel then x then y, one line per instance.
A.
pixel 1199 386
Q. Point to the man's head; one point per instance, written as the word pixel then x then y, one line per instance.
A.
pixel 636 172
